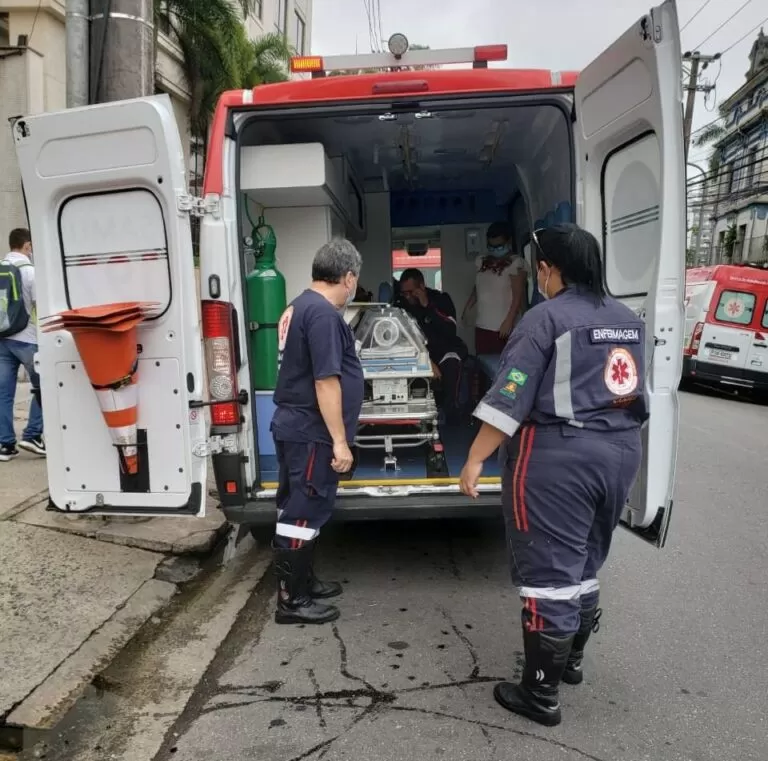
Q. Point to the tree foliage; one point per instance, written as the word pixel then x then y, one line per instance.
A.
pixel 217 54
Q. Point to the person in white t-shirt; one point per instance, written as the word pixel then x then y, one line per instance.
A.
pixel 17 350
pixel 499 292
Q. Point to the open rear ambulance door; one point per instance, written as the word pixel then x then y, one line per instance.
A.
pixel 631 195
pixel 106 194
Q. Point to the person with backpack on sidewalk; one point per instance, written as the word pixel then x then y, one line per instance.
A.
pixel 18 345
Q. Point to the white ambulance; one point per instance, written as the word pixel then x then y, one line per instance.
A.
pixel 405 154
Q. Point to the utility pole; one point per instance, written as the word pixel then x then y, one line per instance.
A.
pixel 702 203
pixel 77 29
pixel 698 63
pixel 122 49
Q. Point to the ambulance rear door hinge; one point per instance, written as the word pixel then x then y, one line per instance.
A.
pixel 195 206
pixel 216 445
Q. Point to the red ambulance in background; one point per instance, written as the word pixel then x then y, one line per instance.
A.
pixel 726 326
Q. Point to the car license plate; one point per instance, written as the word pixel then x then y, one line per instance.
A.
pixel 720 354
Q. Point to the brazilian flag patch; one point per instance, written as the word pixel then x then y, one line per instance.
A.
pixel 517 376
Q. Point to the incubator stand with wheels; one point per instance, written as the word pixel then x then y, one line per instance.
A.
pixel 399 408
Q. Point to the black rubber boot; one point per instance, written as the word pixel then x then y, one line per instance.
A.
pixel 536 697
pixel 321 590
pixel 294 604
pixel 590 622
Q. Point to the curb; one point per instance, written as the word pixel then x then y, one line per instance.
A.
pixel 48 703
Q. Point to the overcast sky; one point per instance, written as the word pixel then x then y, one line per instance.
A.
pixel 547 34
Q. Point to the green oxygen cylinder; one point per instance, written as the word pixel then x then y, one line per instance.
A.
pixel 265 295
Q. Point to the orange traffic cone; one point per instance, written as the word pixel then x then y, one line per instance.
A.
pixel 106 340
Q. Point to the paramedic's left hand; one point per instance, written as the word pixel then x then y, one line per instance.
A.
pixel 506 326
pixel 436 371
pixel 470 475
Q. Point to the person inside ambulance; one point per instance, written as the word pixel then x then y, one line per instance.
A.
pixel 318 398
pixel 436 315
pixel 566 410
pixel 499 292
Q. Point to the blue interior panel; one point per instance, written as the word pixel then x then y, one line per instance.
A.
pixel 412 462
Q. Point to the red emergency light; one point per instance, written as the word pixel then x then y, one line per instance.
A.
pixel 490 53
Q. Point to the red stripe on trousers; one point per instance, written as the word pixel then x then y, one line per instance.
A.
pixel 525 456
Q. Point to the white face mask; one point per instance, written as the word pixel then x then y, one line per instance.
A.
pixel 543 291
pixel 349 298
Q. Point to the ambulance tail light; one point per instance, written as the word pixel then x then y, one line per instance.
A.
pixel 696 337
pixel 221 362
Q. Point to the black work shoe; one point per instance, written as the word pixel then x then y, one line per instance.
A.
pixel 590 622
pixel 8 452
pixel 321 590
pixel 36 446
pixel 294 603
pixel 536 697
pixel 519 700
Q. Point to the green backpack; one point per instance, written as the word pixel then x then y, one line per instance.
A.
pixel 13 313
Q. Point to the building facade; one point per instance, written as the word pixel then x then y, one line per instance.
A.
pixel 33 75
pixel 739 196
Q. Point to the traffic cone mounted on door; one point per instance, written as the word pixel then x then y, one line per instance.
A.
pixel 106 339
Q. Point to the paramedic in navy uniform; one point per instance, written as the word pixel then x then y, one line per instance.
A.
pixel 318 398
pixel 566 410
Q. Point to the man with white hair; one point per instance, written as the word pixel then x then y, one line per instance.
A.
pixel 318 398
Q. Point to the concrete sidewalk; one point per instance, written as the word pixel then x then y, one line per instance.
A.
pixel 75 589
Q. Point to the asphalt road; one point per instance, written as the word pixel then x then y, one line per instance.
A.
pixel 430 622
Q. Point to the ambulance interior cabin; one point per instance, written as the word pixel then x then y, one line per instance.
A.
pixel 416 188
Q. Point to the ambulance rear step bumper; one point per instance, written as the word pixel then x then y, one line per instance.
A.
pixel 708 372
pixel 421 507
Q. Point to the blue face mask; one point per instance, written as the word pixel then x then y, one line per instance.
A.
pixel 499 251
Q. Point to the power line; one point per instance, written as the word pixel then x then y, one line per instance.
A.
pixel 34 21
pixel 379 22
pixel 707 125
pixel 706 3
pixel 721 172
pixel 369 15
pixel 741 39
pixel 726 22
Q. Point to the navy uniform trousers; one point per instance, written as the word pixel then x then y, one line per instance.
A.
pixel 306 491
pixel 563 491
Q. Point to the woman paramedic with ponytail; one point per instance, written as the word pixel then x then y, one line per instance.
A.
pixel 566 410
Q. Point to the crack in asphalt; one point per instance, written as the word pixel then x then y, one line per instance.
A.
pixel 467 643
pixel 319 703
pixel 381 701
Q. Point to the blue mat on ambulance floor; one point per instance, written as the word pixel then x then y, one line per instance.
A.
pixel 412 462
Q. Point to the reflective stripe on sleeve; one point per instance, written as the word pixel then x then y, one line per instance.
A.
pixel 551 593
pixel 496 418
pixel 296 532
pixel 562 386
pixel 589 586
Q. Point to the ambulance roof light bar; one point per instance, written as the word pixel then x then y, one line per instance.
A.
pixel 399 56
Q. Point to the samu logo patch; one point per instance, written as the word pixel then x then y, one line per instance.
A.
pixel 620 373
pixel 517 376
pixel 510 391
